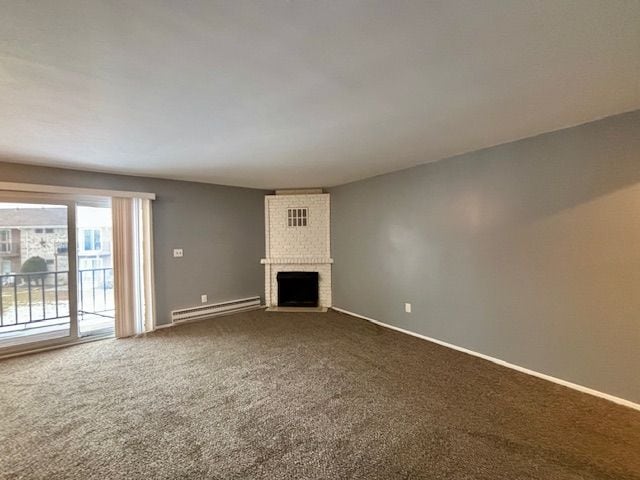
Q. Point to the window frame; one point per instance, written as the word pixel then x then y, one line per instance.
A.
pixel 7 242
pixel 93 242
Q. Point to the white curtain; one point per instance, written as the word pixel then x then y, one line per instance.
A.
pixel 133 266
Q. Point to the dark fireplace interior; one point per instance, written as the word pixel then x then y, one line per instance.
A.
pixel 297 289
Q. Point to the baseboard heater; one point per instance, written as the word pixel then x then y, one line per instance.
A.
pixel 214 309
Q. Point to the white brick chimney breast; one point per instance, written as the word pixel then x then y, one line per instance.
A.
pixel 297 239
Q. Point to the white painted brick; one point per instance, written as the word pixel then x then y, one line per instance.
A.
pixel 297 248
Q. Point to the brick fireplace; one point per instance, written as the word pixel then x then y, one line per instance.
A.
pixel 297 239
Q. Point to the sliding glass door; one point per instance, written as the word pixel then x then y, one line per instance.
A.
pixel 96 306
pixel 73 265
pixel 38 299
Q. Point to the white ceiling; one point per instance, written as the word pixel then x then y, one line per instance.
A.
pixel 302 93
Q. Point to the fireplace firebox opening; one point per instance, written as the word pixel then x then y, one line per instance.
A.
pixel 297 289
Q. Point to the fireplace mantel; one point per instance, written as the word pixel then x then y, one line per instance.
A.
pixel 294 260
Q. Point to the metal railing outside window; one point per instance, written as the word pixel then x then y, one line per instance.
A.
pixel 30 298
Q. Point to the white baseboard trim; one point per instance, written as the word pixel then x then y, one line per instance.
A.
pixel 164 325
pixel 565 383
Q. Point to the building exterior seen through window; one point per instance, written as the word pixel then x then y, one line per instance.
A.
pixel 5 241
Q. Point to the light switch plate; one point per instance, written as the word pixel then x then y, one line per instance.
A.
pixel 407 307
pixel 177 252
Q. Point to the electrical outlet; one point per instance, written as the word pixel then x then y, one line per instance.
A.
pixel 203 298
pixel 407 307
pixel 177 253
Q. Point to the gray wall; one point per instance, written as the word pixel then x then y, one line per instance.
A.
pixel 528 252
pixel 221 230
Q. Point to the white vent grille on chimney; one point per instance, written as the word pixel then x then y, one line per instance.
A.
pixel 297 217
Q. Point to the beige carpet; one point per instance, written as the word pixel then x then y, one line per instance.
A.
pixel 298 396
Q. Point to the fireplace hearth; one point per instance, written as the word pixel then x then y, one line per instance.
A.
pixel 297 289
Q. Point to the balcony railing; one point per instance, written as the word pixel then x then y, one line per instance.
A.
pixel 34 299
pixel 95 292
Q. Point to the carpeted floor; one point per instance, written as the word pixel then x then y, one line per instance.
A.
pixel 298 396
